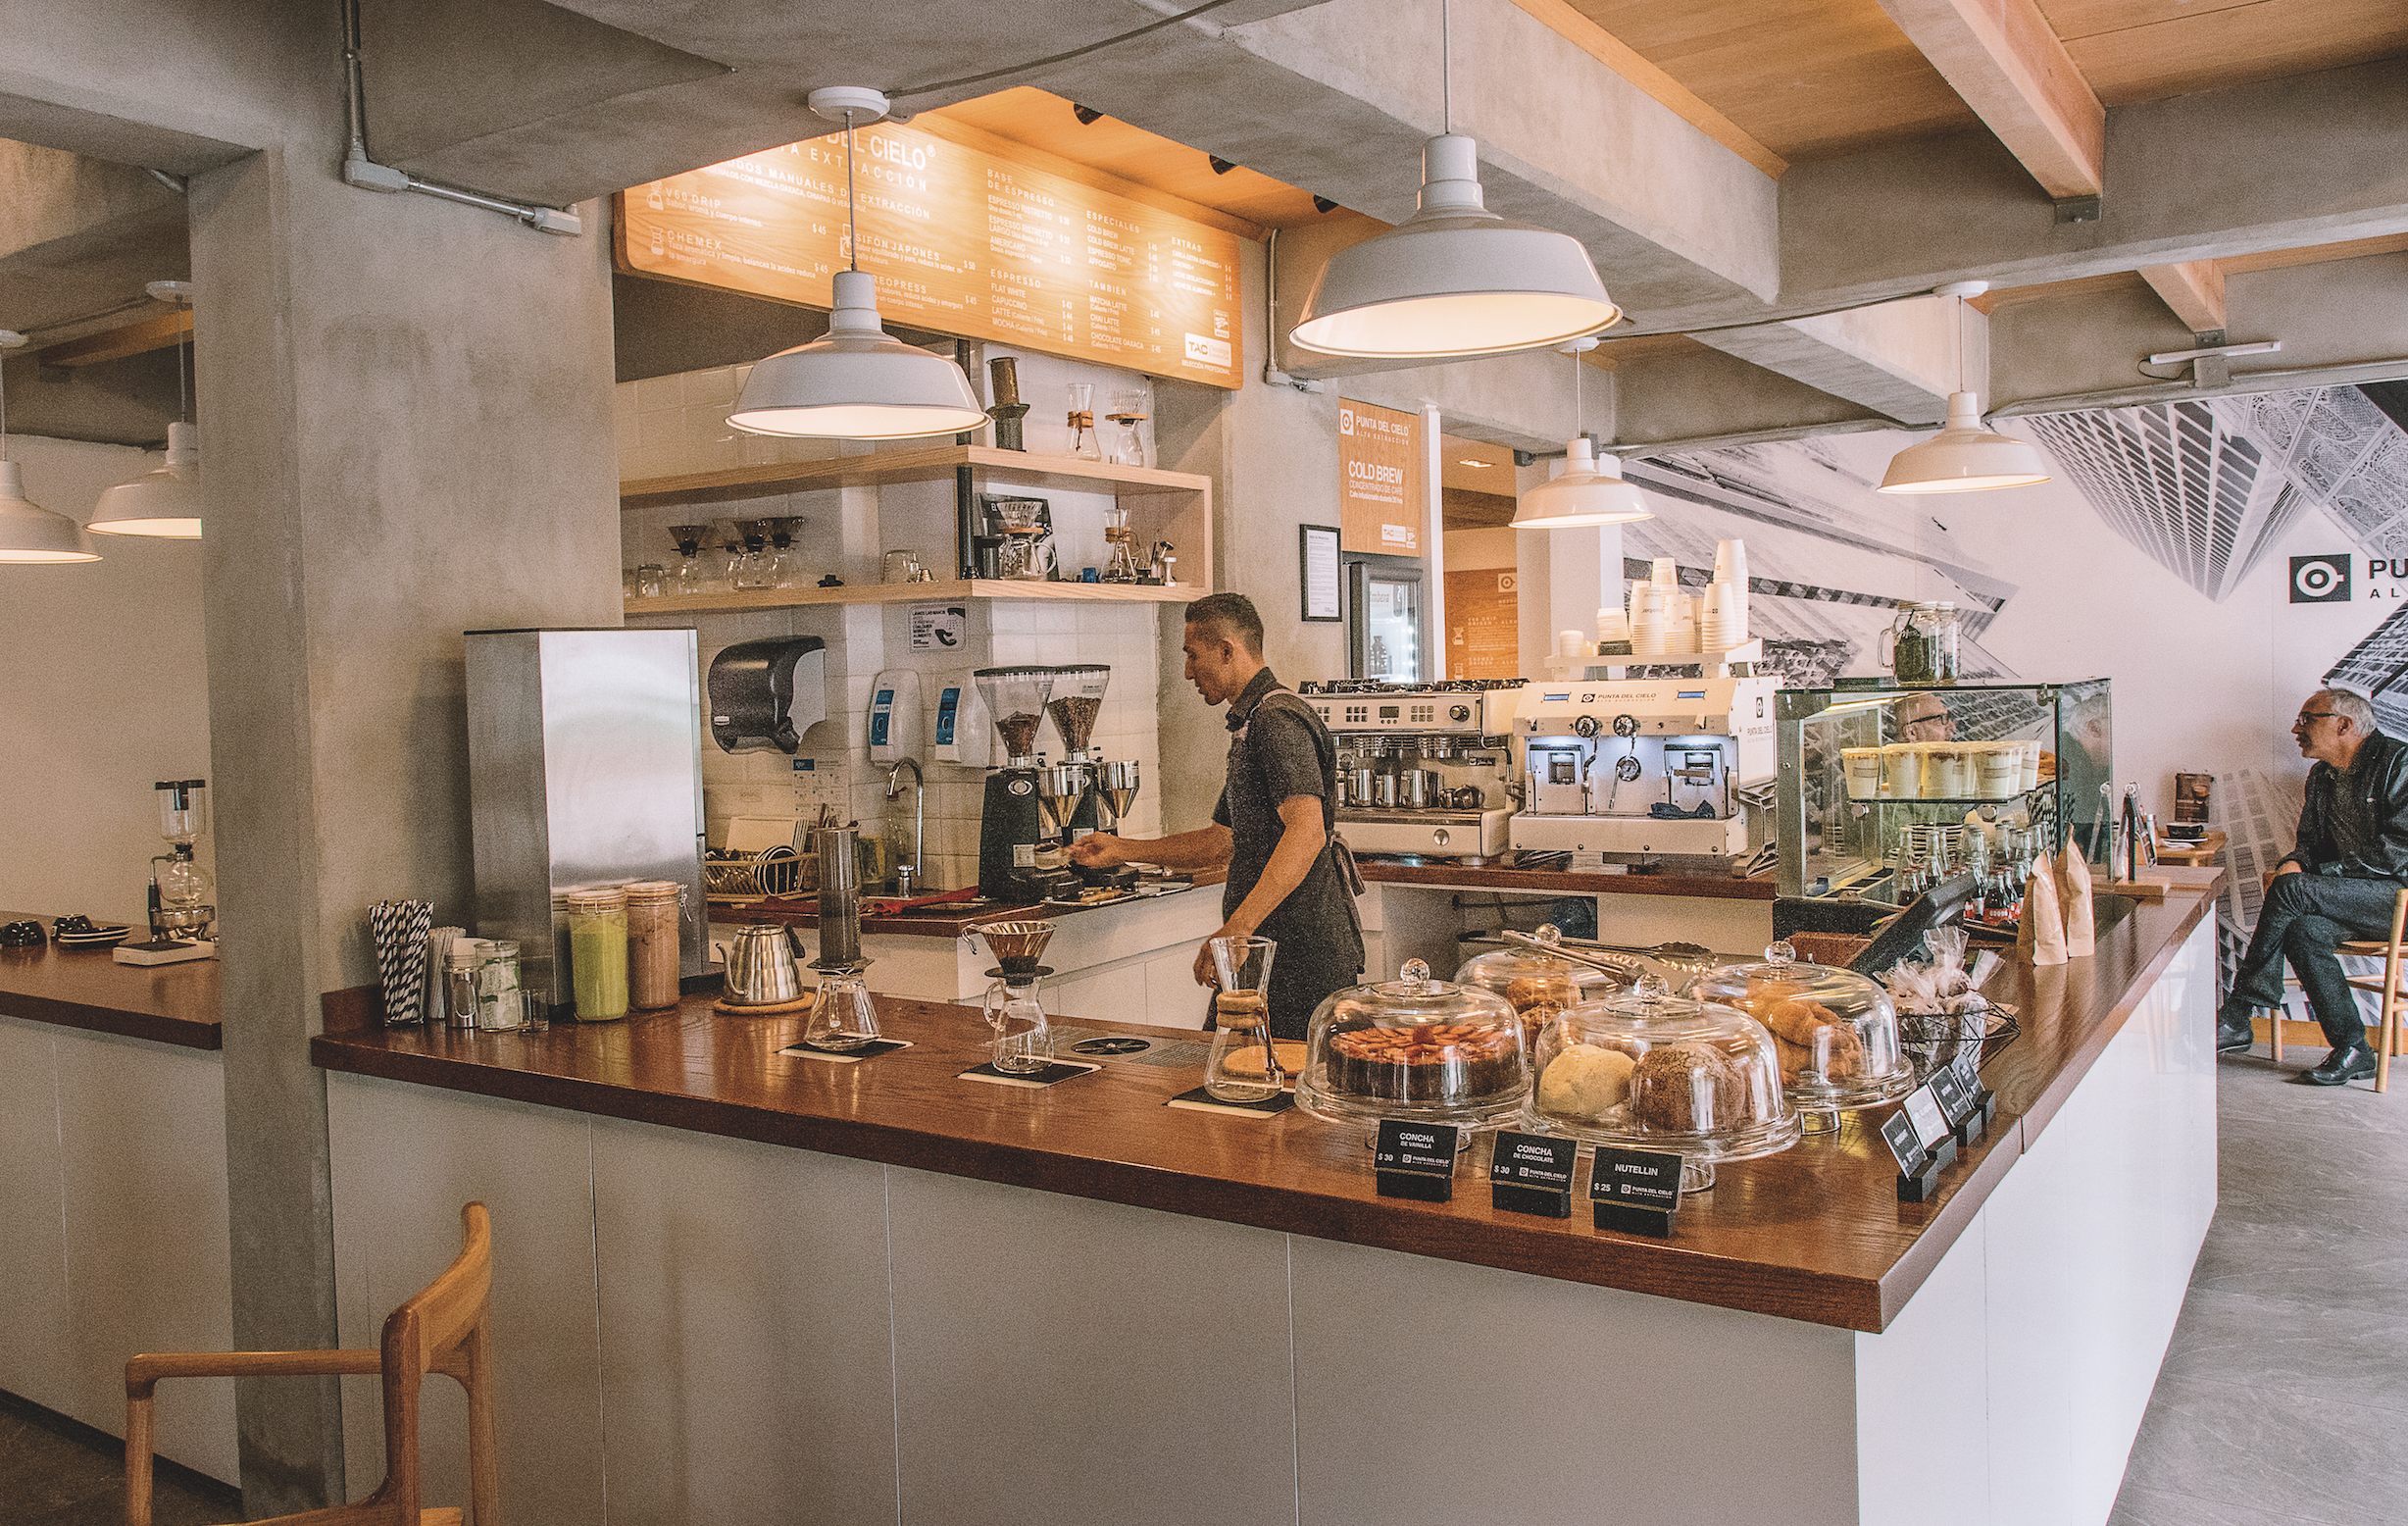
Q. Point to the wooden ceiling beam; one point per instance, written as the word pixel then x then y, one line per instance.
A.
pixel 138 337
pixel 2005 60
pixel 1594 40
pixel 2194 289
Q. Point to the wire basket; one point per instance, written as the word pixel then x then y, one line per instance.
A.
pixel 1965 1039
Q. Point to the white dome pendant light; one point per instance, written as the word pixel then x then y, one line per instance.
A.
pixel 855 382
pixel 165 500
pixel 1964 457
pixel 1454 280
pixel 29 533
pixel 1590 490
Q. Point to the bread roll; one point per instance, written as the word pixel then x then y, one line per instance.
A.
pixel 1585 1081
pixel 1686 1089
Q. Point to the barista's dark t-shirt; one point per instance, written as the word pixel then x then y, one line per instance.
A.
pixel 1280 749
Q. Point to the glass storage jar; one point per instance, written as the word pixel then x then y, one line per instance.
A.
pixel 1417 1048
pixel 1649 1070
pixel 1834 1032
pixel 653 914
pixel 1539 986
pixel 598 953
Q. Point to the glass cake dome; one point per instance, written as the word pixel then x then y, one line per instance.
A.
pixel 1648 1070
pixel 1417 1048
pixel 1539 984
pixel 1834 1032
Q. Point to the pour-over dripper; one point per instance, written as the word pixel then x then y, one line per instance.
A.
pixel 1016 698
pixel 1078 699
pixel 1016 945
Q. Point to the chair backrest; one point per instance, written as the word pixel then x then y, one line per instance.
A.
pixel 443 1328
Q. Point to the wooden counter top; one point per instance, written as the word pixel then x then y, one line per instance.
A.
pixel 938 921
pixel 1503 876
pixel 83 988
pixel 1813 1234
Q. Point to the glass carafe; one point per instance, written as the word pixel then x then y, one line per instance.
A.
pixel 786 568
pixel 1121 545
pixel 1921 644
pixel 686 578
pixel 1129 410
pixel 1023 1036
pixel 1245 1065
pixel 751 568
pixel 1081 422
pixel 841 1014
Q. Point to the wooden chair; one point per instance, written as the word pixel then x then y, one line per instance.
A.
pixel 443 1329
pixel 2388 986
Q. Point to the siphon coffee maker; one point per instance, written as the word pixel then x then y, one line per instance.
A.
pixel 1015 1006
pixel 1013 831
pixel 179 908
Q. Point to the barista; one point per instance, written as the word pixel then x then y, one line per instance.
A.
pixel 1291 879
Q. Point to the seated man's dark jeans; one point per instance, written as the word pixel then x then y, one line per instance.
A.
pixel 2305 917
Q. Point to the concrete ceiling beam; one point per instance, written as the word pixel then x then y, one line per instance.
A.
pixel 2193 290
pixel 1708 395
pixel 2004 59
pixel 1901 359
pixel 2281 164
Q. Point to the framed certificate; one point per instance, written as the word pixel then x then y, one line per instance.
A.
pixel 1317 551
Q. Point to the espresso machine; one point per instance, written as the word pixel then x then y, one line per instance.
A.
pixel 1646 769
pixel 1422 768
pixel 1027 804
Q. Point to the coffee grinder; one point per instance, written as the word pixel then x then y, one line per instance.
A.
pixel 1016 858
pixel 1070 791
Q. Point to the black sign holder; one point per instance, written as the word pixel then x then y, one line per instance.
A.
pixel 1969 1111
pixel 1635 1191
pixel 1531 1173
pixel 1923 1148
pixel 1416 1160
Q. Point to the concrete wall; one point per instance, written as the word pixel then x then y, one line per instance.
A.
pixel 107 693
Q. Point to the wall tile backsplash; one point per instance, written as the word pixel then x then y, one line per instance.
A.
pixel 669 426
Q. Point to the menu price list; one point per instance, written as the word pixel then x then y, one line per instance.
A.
pixel 962 240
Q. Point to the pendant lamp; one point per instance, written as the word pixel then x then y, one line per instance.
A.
pixel 1590 490
pixel 165 501
pixel 856 382
pixel 1964 457
pixel 29 533
pixel 1454 280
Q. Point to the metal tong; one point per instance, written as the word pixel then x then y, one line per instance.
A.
pixel 1611 964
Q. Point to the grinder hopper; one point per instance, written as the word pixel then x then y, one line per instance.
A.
pixel 1078 699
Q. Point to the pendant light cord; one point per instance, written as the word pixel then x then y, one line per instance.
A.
pixel 1447 68
pixel 852 212
pixel 1057 58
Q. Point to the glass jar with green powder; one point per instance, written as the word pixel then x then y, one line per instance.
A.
pixel 598 953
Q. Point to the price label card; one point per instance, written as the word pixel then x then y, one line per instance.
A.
pixel 1931 1121
pixel 1533 1161
pixel 1428 1148
pixel 1956 1100
pixel 1900 1135
pixel 1636 1178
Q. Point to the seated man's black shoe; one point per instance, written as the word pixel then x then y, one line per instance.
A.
pixel 2233 1035
pixel 2355 1063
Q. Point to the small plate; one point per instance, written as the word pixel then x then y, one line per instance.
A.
pixel 106 938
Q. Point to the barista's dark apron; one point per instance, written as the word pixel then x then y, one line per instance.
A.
pixel 1317 927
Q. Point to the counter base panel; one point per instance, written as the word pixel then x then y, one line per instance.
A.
pixel 771 1334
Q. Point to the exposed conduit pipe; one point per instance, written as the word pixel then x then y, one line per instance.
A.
pixel 364 173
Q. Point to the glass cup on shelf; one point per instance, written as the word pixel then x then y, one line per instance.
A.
pixel 650 582
pixel 902 567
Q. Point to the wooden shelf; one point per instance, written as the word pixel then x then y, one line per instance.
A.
pixel 878 469
pixel 919 593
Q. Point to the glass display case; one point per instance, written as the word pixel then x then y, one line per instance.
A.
pixel 1417 1048
pixel 1880 789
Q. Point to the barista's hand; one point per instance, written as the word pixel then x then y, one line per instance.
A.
pixel 1204 971
pixel 1097 850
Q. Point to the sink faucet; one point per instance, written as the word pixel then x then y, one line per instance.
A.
pixel 905 874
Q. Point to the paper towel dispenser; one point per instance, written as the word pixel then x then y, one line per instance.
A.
pixel 767 693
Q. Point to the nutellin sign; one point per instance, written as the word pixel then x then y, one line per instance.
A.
pixel 963 237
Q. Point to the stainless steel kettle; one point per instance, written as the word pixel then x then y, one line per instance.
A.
pixel 764 966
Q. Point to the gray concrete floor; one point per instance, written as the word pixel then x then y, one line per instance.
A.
pixel 2275 1409
pixel 2289 1367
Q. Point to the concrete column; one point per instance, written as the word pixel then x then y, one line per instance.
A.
pixel 406 405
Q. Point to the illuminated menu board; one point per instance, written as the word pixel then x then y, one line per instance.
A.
pixel 963 241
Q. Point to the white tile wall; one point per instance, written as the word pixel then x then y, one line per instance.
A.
pixel 669 426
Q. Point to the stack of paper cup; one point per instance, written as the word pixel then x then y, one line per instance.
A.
pixel 1680 621
pixel 1573 643
pixel 1648 620
pixel 1731 563
pixel 1612 627
pixel 1724 622
pixel 1663 573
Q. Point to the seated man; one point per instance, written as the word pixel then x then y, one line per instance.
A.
pixel 2339 884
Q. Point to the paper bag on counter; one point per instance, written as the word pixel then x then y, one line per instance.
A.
pixel 2043 938
pixel 2074 895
